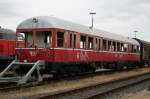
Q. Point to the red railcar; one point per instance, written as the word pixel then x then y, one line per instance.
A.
pixel 7 46
pixel 68 47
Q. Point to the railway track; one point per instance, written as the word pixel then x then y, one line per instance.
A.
pixel 87 90
pixel 92 90
pixel 14 86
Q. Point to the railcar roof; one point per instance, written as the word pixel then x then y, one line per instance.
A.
pixel 8 31
pixel 52 22
pixel 144 42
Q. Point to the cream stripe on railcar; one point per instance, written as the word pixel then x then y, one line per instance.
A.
pixel 52 22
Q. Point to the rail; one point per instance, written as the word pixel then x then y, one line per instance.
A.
pixel 92 90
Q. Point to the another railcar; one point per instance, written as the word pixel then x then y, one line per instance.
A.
pixel 144 52
pixel 67 47
pixel 7 46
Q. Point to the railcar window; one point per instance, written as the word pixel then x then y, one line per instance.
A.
pixel 48 39
pixel 96 40
pixel 122 47
pixel 42 39
pixel 21 37
pixel 83 42
pixel 104 45
pixel 129 48
pixel 27 37
pixel 109 46
pixel 70 40
pixel 90 43
pixel 99 47
pixel 10 36
pixel 125 47
pixel 60 39
pixel 114 46
pixel 7 36
pixel 74 42
pixel 1 36
pixel 134 48
pixel 96 45
pixel 138 49
pixel 20 40
pixel 118 46
pixel 39 39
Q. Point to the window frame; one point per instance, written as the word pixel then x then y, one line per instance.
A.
pixel 92 44
pixel 59 38
pixel 74 40
pixel 84 42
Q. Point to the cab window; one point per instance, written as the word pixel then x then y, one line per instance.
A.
pixel 28 39
pixel 43 39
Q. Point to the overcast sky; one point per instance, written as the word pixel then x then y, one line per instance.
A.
pixel 116 16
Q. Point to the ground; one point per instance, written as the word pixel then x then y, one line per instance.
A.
pixel 145 94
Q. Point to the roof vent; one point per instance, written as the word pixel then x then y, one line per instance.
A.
pixel 35 20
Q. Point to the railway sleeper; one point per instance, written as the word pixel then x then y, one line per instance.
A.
pixel 22 72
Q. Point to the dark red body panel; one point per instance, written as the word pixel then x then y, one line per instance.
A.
pixel 7 47
pixel 76 55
